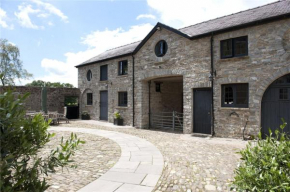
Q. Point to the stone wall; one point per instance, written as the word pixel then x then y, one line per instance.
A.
pixel 169 99
pixel 113 85
pixel 55 97
pixel 268 59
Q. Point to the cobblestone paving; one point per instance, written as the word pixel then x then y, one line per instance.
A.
pixel 93 159
pixel 191 163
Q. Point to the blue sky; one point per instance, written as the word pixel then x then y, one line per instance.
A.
pixel 55 35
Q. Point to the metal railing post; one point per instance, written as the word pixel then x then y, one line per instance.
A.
pixel 173 119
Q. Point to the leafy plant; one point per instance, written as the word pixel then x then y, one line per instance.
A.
pixel 117 115
pixel 21 139
pixel 266 165
pixel 85 115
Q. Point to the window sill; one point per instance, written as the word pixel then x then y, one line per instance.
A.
pixel 88 105
pixel 120 76
pixel 122 107
pixel 104 81
pixel 246 57
pixel 234 108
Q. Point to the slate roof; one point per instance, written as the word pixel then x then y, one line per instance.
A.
pixel 265 12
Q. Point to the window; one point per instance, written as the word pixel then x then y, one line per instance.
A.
pixel 123 99
pixel 104 72
pixel 158 87
pixel 123 68
pixel 89 75
pixel 283 94
pixel 89 98
pixel 161 48
pixel 235 47
pixel 235 95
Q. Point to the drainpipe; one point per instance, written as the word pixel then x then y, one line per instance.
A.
pixel 133 89
pixel 212 84
pixel 149 86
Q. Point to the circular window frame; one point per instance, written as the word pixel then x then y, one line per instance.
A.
pixel 89 75
pixel 157 47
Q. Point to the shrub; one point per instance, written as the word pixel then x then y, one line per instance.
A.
pixel 117 115
pixel 85 115
pixel 21 139
pixel 265 166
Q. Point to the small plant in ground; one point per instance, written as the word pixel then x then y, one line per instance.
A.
pixel 265 165
pixel 85 115
pixel 22 168
pixel 117 115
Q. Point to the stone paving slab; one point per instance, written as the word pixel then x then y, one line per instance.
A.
pixel 190 163
pixel 93 159
pixel 134 171
pixel 134 188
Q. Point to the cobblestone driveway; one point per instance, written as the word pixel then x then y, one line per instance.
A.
pixel 191 163
pixel 93 159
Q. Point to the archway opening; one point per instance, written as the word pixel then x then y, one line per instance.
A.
pixel 165 103
pixel 276 105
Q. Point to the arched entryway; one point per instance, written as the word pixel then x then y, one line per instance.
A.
pixel 276 105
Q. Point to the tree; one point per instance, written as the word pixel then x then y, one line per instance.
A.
pixel 40 83
pixel 11 66
pixel 21 139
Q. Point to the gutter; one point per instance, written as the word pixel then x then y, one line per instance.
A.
pixel 133 90
pixel 212 84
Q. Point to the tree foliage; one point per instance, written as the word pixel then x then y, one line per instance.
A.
pixel 40 83
pixel 21 140
pixel 266 165
pixel 11 66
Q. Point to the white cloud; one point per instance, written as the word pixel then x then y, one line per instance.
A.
pixel 97 42
pixel 51 9
pixel 43 11
pixel 3 18
pixel 182 13
pixel 145 16
pixel 23 16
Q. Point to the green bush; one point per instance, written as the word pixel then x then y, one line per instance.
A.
pixel 265 165
pixel 117 115
pixel 21 139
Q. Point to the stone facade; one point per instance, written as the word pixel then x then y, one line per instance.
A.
pixel 113 85
pixel 268 59
pixel 55 97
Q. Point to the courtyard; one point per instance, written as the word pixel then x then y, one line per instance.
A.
pixel 190 163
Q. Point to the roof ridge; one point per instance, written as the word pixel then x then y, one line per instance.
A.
pixel 123 45
pixel 232 14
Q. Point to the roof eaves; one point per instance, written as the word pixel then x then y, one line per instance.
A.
pixel 154 30
pixel 257 22
pixel 102 60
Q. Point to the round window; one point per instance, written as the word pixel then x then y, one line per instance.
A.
pixel 161 48
pixel 89 75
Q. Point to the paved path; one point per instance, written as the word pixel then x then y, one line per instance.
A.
pixel 138 169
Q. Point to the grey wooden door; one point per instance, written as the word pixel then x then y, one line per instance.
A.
pixel 202 111
pixel 104 105
pixel 276 105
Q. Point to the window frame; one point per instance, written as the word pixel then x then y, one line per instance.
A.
pixel 120 102
pixel 165 48
pixel 89 74
pixel 234 88
pixel 89 99
pixel 101 74
pixel 233 43
pixel 120 73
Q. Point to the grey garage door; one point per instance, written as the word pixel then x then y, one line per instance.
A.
pixel 202 111
pixel 276 105
pixel 104 105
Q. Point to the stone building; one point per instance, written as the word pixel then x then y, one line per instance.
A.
pixel 218 76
